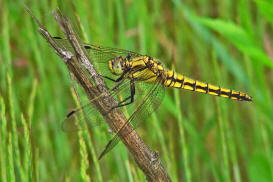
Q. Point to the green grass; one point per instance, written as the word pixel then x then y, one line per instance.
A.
pixel 199 137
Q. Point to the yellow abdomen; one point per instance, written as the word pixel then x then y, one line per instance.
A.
pixel 175 80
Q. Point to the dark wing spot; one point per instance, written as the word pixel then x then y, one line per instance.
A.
pixel 71 113
pixel 57 37
pixel 87 47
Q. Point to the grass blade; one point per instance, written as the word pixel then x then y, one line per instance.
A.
pixel 238 37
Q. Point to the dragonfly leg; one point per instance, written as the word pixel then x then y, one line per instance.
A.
pixel 131 97
pixel 114 80
pixel 110 78
pixel 117 85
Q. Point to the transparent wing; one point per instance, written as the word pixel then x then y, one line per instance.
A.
pixel 97 49
pixel 87 116
pixel 100 56
pixel 144 108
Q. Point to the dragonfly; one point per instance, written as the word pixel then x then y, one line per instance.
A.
pixel 141 80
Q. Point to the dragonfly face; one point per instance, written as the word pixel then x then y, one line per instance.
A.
pixel 117 65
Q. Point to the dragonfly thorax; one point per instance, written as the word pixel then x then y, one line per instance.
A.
pixel 116 65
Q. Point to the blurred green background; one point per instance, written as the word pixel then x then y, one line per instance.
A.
pixel 199 137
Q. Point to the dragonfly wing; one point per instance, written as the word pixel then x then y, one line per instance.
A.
pixel 87 116
pixel 150 103
pixel 99 55
pixel 98 51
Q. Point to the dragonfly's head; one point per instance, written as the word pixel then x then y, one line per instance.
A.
pixel 116 65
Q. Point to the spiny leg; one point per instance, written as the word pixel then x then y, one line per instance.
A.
pixel 131 97
pixel 119 80
pixel 114 80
